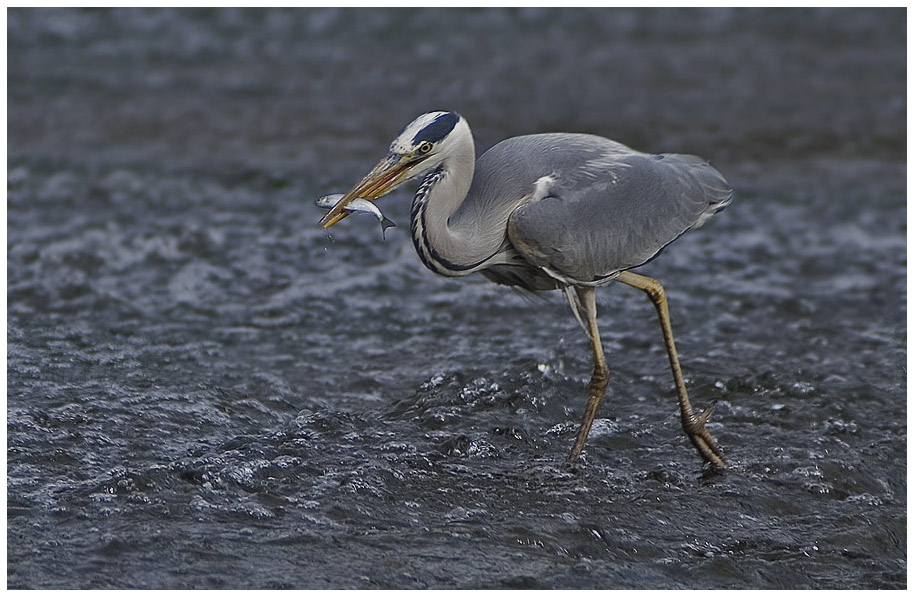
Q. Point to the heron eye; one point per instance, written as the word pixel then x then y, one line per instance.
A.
pixel 425 147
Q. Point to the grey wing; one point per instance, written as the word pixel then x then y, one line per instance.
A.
pixel 589 228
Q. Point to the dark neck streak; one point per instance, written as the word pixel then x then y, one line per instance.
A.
pixel 419 229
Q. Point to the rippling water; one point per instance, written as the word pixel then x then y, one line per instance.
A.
pixel 205 390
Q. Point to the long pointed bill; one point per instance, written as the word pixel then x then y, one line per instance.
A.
pixel 383 178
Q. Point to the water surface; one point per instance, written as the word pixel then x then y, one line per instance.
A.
pixel 205 390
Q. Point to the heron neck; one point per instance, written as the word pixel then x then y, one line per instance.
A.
pixel 444 247
pixel 446 196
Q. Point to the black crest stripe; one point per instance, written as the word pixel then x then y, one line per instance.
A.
pixel 437 129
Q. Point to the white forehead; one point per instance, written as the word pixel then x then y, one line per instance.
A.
pixel 411 136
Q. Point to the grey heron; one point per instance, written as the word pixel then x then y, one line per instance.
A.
pixel 557 211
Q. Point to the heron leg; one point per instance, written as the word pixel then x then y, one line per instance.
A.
pixel 573 302
pixel 692 424
pixel 600 378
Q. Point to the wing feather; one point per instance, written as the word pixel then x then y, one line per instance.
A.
pixel 611 212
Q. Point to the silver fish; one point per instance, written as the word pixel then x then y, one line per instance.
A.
pixel 357 206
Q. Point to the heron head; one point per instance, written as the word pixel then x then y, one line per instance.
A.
pixel 420 147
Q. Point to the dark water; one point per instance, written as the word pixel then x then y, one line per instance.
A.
pixel 206 391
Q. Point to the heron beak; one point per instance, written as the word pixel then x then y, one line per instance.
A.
pixel 390 173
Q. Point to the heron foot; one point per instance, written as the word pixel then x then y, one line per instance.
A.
pixel 698 434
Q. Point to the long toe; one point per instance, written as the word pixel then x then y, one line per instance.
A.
pixel 701 438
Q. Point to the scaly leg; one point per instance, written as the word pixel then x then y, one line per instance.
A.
pixel 693 425
pixel 600 378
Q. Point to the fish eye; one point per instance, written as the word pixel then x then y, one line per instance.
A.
pixel 425 147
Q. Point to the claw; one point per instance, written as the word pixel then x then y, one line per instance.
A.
pixel 701 438
pixel 704 417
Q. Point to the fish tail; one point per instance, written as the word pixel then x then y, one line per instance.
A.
pixel 385 224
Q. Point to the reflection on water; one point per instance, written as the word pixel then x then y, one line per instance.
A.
pixel 206 390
